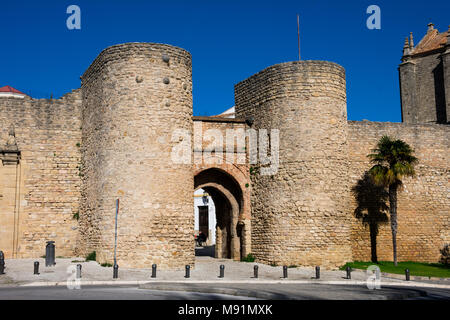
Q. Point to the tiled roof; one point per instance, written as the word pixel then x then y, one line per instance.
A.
pixel 433 40
pixel 10 90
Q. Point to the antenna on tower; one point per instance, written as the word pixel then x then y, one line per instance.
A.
pixel 298 35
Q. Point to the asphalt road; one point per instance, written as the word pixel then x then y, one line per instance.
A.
pixel 105 293
pixel 224 292
pixel 310 291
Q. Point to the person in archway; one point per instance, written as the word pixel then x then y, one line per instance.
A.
pixel 201 238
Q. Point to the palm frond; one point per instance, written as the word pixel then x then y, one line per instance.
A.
pixel 392 159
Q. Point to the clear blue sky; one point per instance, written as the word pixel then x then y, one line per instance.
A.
pixel 229 41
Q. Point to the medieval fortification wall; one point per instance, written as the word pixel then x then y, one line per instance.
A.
pixel 112 139
pixel 424 202
pixel 40 195
pixel 299 214
pixel 134 96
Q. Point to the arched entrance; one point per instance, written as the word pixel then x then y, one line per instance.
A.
pixel 228 201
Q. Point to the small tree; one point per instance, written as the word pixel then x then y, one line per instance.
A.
pixel 445 255
pixel 393 160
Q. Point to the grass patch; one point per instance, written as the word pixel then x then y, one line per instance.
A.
pixel 77 261
pixel 248 258
pixel 292 266
pixel 415 268
pixel 91 256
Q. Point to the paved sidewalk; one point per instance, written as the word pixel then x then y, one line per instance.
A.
pixel 20 272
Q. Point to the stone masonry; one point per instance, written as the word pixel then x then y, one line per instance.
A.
pixel 425 78
pixel 303 219
pixel 134 97
pixel 66 161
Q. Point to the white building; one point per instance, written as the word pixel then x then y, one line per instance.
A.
pixel 205 216
pixel 10 92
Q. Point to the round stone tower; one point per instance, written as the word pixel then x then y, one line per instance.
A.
pixel 300 214
pixel 135 96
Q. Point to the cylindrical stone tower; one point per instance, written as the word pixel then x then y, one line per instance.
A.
pixel 135 96
pixel 300 214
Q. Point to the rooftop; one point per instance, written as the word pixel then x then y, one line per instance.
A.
pixel 433 40
pixel 10 91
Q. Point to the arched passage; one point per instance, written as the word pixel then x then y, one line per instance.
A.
pixel 228 200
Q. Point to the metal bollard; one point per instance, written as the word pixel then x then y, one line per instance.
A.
pixel 285 273
pixel 188 271
pixel 153 270
pixel 36 267
pixel 317 272
pixel 349 272
pixel 222 271
pixel 50 254
pixel 255 271
pixel 2 263
pixel 78 271
pixel 116 271
pixel 407 274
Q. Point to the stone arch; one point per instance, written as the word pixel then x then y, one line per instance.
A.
pixel 228 198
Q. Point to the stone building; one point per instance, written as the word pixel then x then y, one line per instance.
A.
pixel 425 78
pixel 65 162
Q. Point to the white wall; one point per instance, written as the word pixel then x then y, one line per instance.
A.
pixel 198 201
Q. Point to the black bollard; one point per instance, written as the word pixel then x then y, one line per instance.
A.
pixel 153 270
pixel 349 272
pixel 78 271
pixel 36 267
pixel 285 274
pixel 116 271
pixel 255 271
pixel 317 272
pixel 2 263
pixel 407 274
pixel 188 271
pixel 222 271
pixel 50 254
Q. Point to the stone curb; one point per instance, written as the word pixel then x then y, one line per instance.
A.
pixel 414 278
pixel 147 282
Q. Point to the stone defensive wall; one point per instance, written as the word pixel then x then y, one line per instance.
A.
pixel 299 214
pixel 423 204
pixel 134 96
pixel 66 161
pixel 40 182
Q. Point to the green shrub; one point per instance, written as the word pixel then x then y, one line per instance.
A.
pixel 445 255
pixel 248 258
pixel 91 256
pixel 106 264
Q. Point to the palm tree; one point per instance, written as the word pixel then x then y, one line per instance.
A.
pixel 393 160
